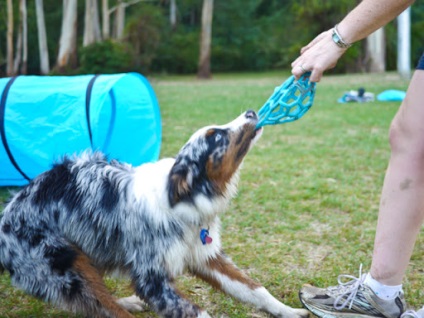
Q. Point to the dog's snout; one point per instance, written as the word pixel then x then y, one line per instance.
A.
pixel 251 114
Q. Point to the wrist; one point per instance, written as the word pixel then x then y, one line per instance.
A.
pixel 338 38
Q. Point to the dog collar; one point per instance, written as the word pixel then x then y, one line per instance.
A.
pixel 204 236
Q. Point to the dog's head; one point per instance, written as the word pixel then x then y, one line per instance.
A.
pixel 208 164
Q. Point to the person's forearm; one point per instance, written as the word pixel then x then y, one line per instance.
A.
pixel 369 16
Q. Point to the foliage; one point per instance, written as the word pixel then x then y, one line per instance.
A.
pixel 178 54
pixel 178 51
pixel 318 16
pixel 236 40
pixel 309 190
pixel 247 35
pixel 105 58
pixel 143 33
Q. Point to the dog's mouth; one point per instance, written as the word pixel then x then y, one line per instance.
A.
pixel 257 132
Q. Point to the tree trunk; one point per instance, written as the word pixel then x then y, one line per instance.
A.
pixel 204 70
pixel 42 38
pixel 21 54
pixel 106 19
pixel 376 52
pixel 9 66
pixel 173 14
pixel 119 24
pixel 91 23
pixel 68 37
pixel 120 20
pixel 18 51
pixel 404 44
pixel 23 9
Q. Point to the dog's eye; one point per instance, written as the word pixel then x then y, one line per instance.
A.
pixel 218 137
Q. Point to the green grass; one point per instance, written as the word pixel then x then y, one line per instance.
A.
pixel 309 191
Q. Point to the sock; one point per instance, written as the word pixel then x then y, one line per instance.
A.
pixel 382 291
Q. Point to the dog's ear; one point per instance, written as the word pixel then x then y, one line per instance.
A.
pixel 179 183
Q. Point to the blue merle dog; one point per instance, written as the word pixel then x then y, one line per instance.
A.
pixel 88 216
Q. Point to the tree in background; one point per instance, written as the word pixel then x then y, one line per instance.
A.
pixel 143 31
pixel 375 52
pixel 173 13
pixel 9 56
pixel 106 20
pixel 42 38
pixel 163 35
pixel 204 70
pixel 21 55
pixel 68 38
pixel 91 23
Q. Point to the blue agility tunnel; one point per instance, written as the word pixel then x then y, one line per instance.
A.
pixel 43 118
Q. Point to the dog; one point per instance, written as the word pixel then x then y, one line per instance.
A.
pixel 88 216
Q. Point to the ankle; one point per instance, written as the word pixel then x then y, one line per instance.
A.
pixel 382 291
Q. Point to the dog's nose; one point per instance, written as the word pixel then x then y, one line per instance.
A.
pixel 251 114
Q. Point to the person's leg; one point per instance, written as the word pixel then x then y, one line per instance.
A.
pixel 401 214
pixel 402 202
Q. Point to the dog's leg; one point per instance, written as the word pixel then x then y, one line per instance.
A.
pixel 157 290
pixel 101 302
pixel 132 304
pixel 61 274
pixel 222 274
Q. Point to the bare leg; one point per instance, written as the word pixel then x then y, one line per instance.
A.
pixel 402 202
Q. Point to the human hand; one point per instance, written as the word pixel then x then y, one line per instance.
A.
pixel 318 56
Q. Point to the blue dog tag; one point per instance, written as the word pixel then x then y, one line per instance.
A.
pixel 204 237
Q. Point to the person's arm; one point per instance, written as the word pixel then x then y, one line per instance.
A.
pixel 322 53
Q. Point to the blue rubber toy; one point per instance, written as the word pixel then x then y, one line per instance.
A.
pixel 289 102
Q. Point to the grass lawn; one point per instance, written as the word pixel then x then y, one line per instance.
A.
pixel 309 191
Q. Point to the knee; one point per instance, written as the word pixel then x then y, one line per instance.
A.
pixel 406 138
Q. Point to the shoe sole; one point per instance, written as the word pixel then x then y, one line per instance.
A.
pixel 328 314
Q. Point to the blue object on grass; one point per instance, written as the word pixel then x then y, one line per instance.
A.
pixel 359 96
pixel 290 101
pixel 43 118
pixel 391 95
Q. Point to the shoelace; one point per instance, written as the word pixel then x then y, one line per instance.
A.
pixel 349 289
pixel 410 313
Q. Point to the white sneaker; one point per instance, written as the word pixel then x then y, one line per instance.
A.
pixel 351 299
pixel 413 314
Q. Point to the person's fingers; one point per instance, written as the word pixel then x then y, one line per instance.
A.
pixel 317 57
pixel 298 70
pixel 319 69
pixel 297 73
pixel 315 75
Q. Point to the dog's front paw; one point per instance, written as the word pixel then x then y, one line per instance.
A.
pixel 300 313
pixel 132 303
pixel 203 314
